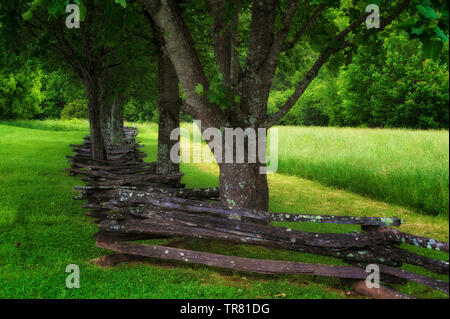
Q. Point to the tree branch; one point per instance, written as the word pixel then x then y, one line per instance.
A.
pixel 221 36
pixel 305 28
pixel 70 52
pixel 336 45
pixel 110 66
pixel 280 37
pixel 181 51
pixel 235 66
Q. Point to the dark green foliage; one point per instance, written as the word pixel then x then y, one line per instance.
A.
pixel 394 86
pixel 314 108
pixel 20 92
pixel 136 111
pixel 386 82
pixel 429 24
pixel 76 109
pixel 54 97
pixel 59 88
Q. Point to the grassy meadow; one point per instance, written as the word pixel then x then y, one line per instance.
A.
pixel 404 167
pixel 361 172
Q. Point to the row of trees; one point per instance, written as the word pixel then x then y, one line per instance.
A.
pixel 226 55
pixel 113 57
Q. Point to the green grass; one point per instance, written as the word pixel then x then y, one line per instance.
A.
pixel 50 125
pixel 42 229
pixel 405 167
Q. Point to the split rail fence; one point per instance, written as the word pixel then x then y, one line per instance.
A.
pixel 131 202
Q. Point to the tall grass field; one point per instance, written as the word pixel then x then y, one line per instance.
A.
pixel 404 167
pixel 399 166
pixel 358 172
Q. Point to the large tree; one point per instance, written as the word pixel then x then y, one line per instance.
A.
pixel 247 62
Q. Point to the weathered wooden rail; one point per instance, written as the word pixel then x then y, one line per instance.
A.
pixel 132 202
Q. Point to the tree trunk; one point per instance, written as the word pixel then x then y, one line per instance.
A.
pixel 243 182
pixel 116 123
pixel 94 111
pixel 105 115
pixel 169 106
pixel 242 185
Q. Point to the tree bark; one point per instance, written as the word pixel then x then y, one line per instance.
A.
pixel 105 114
pixel 242 185
pixel 169 102
pixel 179 47
pixel 94 111
pixel 169 106
pixel 117 135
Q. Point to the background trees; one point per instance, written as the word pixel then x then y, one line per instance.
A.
pixel 394 86
pixel 322 104
pixel 21 91
pixel 92 52
pixel 387 83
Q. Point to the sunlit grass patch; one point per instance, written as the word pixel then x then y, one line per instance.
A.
pixel 8 216
pixel 50 125
pixel 405 167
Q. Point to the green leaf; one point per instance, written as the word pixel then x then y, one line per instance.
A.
pixel 27 15
pixel 427 11
pixel 35 4
pixel 56 7
pixel 441 35
pixel 123 3
pixel 432 48
pixel 199 89
pixel 407 24
pixel 82 12
pixel 417 31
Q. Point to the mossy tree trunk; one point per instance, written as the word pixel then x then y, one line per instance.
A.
pixel 242 185
pixel 169 104
pixel 95 117
pixel 117 135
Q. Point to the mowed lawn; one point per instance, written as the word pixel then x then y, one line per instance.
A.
pixel 42 230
